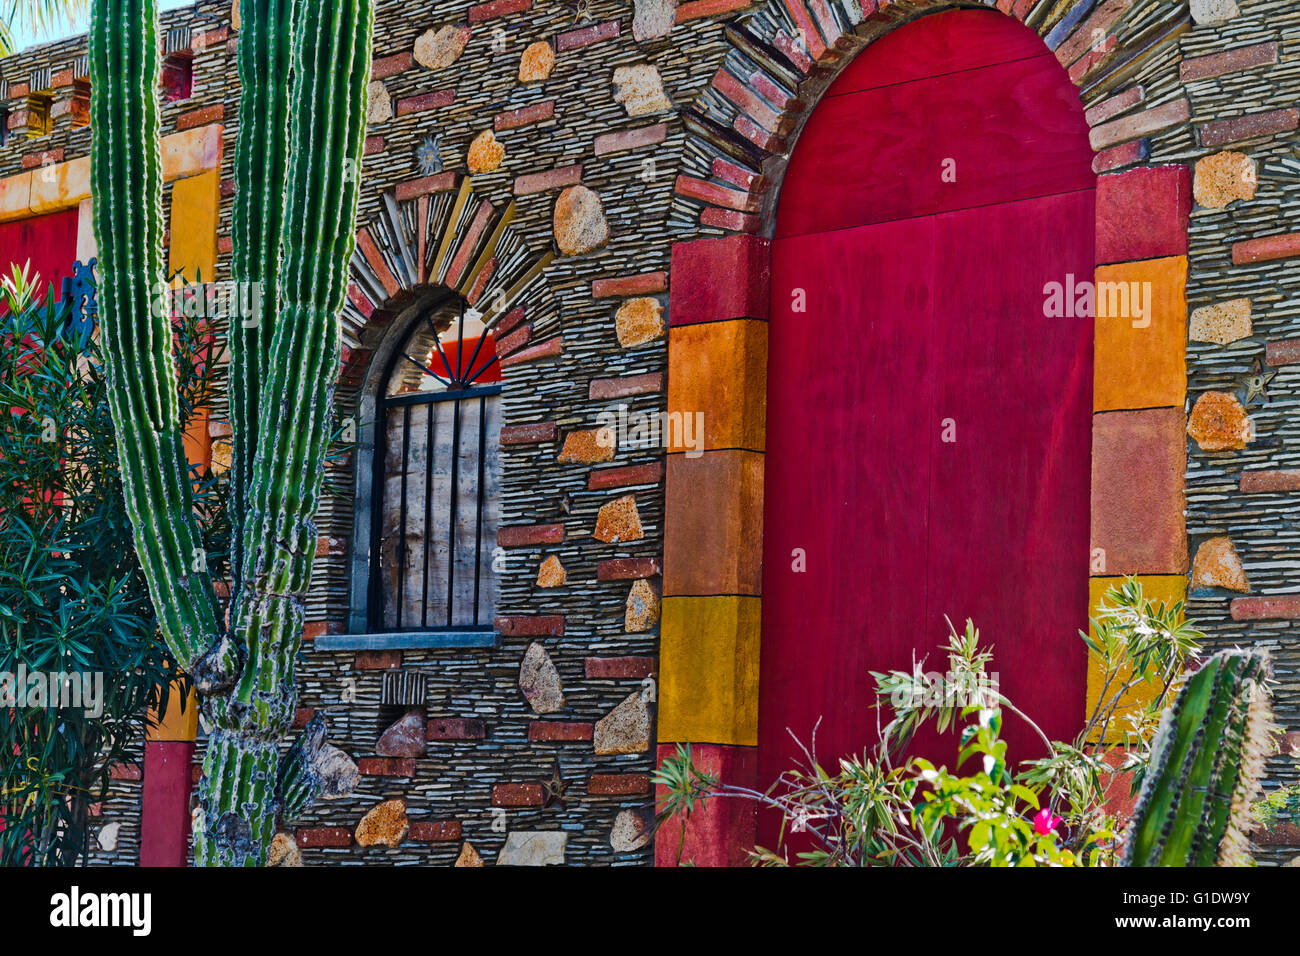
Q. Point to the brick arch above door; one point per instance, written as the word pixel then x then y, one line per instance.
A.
pixel 741 131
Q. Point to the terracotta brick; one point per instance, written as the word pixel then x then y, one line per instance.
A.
pixel 302 716
pixel 651 473
pixel 714 194
pixel 227 188
pixel 1286 352
pixel 719 370
pixel 1279 607
pixel 435 831
pixel 619 668
pixel 560 731
pixel 125 771
pixel 586 36
pixel 374 144
pixel 1272 479
pixel 696 9
pixel 763 139
pixel 1143 213
pixel 548 349
pixel 794 52
pixel 323 837
pixel 737 175
pixel 455 728
pixel 517 795
pixel 1138 462
pixel 201 117
pixel 1140 362
pixel 519 536
pixel 388 66
pixel 1117 157
pixel 750 103
pixel 414 188
pixel 1113 106
pixel 425 101
pixel 550 179
pixel 618 784
pixel 225 244
pixel 386 767
pixel 538 433
pixel 730 220
pixel 1137 125
pixel 61 79
pixel 377 660
pixel 1221 132
pixel 1229 61
pixel 314 629
pixel 1281 834
pixel 210 38
pixel 46 158
pixel 1266 249
pixel 541 626
pixel 630 139
pixel 497 8
pixel 18 90
pixel 524 116
pixel 697 296
pixel 621 286
pixel 627 569
pixel 508 344
pixel 713 529
pixel 603 389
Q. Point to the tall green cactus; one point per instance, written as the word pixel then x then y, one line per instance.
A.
pixel 1206 762
pixel 304 66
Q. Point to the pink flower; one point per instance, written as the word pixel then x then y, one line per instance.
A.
pixel 1044 822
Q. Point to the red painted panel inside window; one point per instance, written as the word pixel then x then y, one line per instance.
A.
pixel 924 321
pixel 50 242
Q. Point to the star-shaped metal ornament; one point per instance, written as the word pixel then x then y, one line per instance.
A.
pixel 553 789
pixel 426 155
pixel 1256 383
pixel 581 12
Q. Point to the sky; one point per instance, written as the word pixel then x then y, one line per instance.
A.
pixel 24 37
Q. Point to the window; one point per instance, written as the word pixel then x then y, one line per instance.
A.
pixel 178 76
pixel 436 479
pixel 38 115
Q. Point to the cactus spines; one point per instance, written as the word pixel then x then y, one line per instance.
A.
pixel 1207 759
pixel 304 67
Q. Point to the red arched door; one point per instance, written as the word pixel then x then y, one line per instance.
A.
pixel 928 438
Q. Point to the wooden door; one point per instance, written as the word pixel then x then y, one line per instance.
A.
pixel 928 438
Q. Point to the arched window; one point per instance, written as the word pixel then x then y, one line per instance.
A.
pixel 436 479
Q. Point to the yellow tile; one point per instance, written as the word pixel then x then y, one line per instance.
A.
pixel 1140 355
pixel 1166 588
pixel 175 725
pixel 708 670
pixel 195 209
pixel 717 377
pixel 15 197
pixel 191 152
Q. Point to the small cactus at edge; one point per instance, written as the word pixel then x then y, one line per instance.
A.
pixel 304 67
pixel 1207 759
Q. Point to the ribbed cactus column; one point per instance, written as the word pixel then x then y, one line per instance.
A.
pixel 330 70
pixel 1206 764
pixel 304 66
pixel 126 171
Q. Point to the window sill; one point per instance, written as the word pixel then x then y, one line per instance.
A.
pixel 406 641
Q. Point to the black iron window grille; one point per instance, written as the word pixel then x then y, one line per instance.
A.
pixel 436 488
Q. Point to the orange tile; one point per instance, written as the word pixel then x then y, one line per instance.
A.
pixel 1140 355
pixel 713 525
pixel 719 370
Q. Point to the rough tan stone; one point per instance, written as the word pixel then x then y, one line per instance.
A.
pixel 588 446
pixel 639 321
pixel 640 90
pixel 1224 178
pixel 405 738
pixel 439 49
pixel 539 681
pixel 379 104
pixel 625 729
pixel 1218 565
pixel 283 851
pixel 579 221
pixel 1213 11
pixel 385 823
pixel 537 62
pixel 630 832
pixel 551 574
pixel 652 18
pixel 642 609
pixel 533 848
pixel 468 856
pixel 619 521
pixel 1221 323
pixel 1219 423
pixel 485 153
